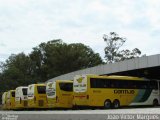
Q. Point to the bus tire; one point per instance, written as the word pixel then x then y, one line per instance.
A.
pixel 155 102
pixel 116 103
pixel 107 104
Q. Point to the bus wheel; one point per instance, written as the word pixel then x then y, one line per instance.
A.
pixel 116 104
pixel 107 104
pixel 155 102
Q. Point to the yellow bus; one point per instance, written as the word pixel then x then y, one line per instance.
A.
pixel 37 96
pixel 11 99
pixel 4 100
pixel 114 91
pixel 59 94
pixel 21 97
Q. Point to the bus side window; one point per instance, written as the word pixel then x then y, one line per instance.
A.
pixel 107 83
pixel 145 85
pixel 132 85
pixel 93 83
pixel 153 85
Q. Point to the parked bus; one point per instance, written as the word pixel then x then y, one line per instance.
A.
pixel 11 99
pixel 37 96
pixel 4 100
pixel 59 94
pixel 114 91
pixel 21 97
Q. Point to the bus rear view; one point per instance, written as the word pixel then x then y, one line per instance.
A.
pixel 80 92
pixel 59 94
pixel 37 96
pixel 11 99
pixel 21 97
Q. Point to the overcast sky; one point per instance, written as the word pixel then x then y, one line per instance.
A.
pixel 24 24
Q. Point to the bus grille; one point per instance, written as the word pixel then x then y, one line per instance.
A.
pixel 25 103
pixel 41 102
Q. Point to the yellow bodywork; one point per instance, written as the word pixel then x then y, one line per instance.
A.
pixel 21 104
pixel 10 100
pixel 20 99
pixel 62 99
pixel 37 100
pixel 97 96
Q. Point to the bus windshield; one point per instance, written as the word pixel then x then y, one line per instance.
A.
pixel 66 86
pixel 41 89
pixel 13 94
pixel 24 91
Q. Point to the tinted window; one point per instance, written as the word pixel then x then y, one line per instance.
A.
pixel 24 91
pixel 153 85
pixel 66 86
pixel 13 94
pixel 126 84
pixel 41 89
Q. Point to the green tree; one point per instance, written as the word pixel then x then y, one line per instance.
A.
pixel 56 57
pixel 46 61
pixel 113 46
pixel 16 71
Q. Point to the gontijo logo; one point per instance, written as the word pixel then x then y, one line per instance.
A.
pixel 50 85
pixel 124 91
pixel 79 80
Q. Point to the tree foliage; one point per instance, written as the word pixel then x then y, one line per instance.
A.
pixel 45 61
pixel 56 57
pixel 112 50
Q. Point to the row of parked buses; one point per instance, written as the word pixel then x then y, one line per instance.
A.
pixel 85 91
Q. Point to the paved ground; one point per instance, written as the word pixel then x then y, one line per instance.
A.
pixel 118 111
pixel 111 114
